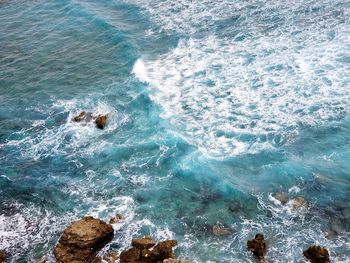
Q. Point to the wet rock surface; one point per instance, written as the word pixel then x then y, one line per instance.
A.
pixel 2 256
pixel 317 254
pixel 298 202
pixel 282 197
pixel 145 250
pixel 116 219
pixel 258 247
pixel 82 240
pixel 111 257
pixel 101 121
pixel 83 117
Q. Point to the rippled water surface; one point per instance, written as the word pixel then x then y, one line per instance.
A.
pixel 214 106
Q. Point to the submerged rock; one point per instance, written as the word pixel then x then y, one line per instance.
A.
pixel 83 116
pixel 298 202
pixel 221 230
pixel 115 219
pixel 258 247
pixel 82 240
pixel 317 254
pixel 282 197
pixel 101 121
pixel 2 256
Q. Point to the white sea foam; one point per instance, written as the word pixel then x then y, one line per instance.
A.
pixel 230 97
pixel 53 140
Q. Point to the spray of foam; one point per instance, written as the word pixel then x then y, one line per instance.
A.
pixel 230 97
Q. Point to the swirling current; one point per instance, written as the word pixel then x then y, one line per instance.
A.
pixel 214 107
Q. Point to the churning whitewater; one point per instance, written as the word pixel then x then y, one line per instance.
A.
pixel 220 115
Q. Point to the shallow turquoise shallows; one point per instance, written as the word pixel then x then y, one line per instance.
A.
pixel 214 107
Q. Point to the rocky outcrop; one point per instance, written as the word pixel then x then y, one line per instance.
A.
pixel 82 240
pixel 83 116
pixel 2 256
pixel 258 247
pixel 145 250
pixel 317 254
pixel 101 121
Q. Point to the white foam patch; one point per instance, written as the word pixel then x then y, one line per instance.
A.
pixel 230 97
pixel 38 142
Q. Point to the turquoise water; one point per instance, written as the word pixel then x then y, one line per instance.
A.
pixel 214 107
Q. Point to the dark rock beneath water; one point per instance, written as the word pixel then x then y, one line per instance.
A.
pixel 115 219
pixel 2 256
pixel 82 240
pixel 101 121
pixel 298 202
pixel 317 254
pixel 258 247
pixel 83 116
pixel 219 230
pixel 282 197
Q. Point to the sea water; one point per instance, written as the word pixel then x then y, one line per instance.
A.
pixel 214 106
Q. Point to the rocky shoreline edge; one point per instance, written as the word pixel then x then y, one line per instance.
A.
pixel 83 239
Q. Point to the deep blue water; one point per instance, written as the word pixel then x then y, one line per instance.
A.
pixel 214 107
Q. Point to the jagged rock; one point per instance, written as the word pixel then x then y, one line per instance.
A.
pixel 115 219
pixel 131 255
pixel 145 254
pixel 298 202
pixel 101 121
pixel 3 256
pixel 164 250
pixel 143 243
pixel 282 197
pixel 83 116
pixel 221 230
pixel 317 254
pixel 111 257
pixel 82 240
pixel 258 247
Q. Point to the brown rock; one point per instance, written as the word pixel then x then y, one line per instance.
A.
pixel 83 116
pixel 298 202
pixel 111 257
pixel 131 255
pixel 82 240
pixel 2 256
pixel 317 254
pixel 143 243
pixel 164 250
pixel 101 121
pixel 115 219
pixel 282 197
pixel 258 247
